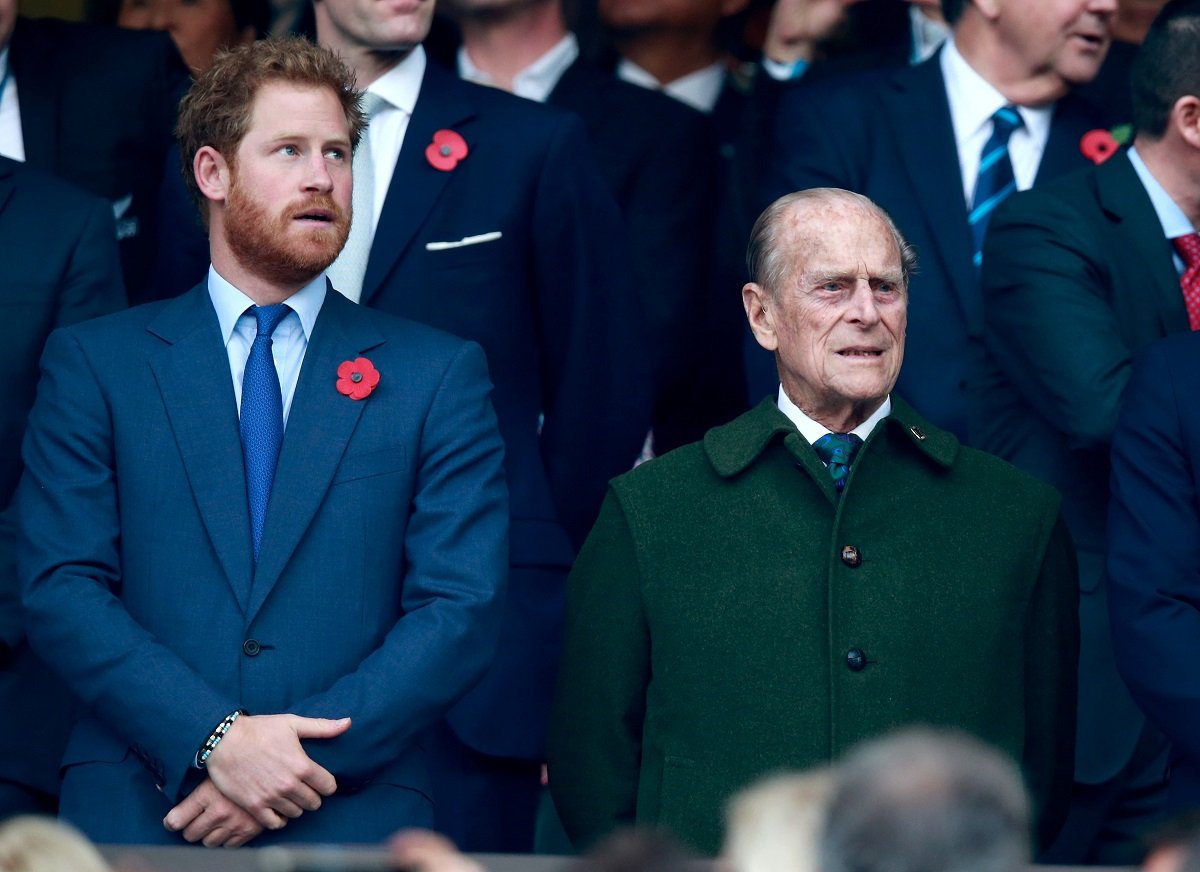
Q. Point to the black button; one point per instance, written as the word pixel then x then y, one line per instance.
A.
pixel 251 648
pixel 851 557
pixel 856 659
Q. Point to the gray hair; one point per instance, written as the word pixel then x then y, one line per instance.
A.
pixel 767 259
pixel 927 801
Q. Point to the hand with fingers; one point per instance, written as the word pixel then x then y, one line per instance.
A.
pixel 798 25
pixel 261 766
pixel 208 816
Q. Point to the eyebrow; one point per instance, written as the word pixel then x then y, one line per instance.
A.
pixel 819 276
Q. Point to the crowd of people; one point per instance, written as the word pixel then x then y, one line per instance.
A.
pixel 386 442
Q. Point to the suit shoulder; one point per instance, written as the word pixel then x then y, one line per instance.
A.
pixel 113 48
pixel 999 480
pixel 492 103
pixel 420 339
pixel 51 194
pixel 665 477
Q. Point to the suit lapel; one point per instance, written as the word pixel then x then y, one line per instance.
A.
pixel 38 98
pixel 6 181
pixel 193 377
pixel 918 103
pixel 1125 200
pixel 319 427
pixel 415 186
pixel 1072 119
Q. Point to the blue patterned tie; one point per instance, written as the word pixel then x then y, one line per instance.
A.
pixel 837 451
pixel 995 180
pixel 262 418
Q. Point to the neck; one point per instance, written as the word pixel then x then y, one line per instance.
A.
pixel 841 419
pixel 368 64
pixel 995 62
pixel 668 55
pixel 1176 167
pixel 502 44
pixel 262 291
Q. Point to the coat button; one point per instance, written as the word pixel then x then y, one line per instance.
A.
pixel 251 648
pixel 856 660
pixel 851 557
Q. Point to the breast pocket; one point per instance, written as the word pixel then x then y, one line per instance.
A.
pixel 386 461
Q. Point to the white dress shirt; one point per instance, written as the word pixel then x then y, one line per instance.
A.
pixel 927 34
pixel 1173 219
pixel 973 101
pixel 812 431
pixel 12 143
pixel 289 341
pixel 700 89
pixel 537 80
pixel 399 88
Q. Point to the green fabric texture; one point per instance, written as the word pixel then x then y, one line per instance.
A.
pixel 710 614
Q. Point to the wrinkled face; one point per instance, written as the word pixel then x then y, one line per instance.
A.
pixel 199 27
pixel 8 18
pixel 1063 39
pixel 373 25
pixel 287 213
pixel 635 14
pixel 840 315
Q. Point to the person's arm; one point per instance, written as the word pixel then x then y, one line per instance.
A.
pixel 595 741
pixel 1048 324
pixel 1154 542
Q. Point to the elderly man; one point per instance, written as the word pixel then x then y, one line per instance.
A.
pixel 770 596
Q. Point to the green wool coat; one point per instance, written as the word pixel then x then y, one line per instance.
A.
pixel 713 611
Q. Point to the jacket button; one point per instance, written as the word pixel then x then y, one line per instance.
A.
pixel 251 648
pixel 856 660
pixel 851 557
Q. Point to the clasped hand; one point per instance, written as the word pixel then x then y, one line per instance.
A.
pixel 259 778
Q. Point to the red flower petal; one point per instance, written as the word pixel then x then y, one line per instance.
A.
pixel 446 150
pixel 357 378
pixel 1098 145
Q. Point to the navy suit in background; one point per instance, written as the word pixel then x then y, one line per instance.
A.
pixel 889 137
pixel 377 591
pixel 58 265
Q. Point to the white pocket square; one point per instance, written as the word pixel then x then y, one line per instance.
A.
pixel 464 242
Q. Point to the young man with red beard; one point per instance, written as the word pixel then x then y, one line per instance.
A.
pixel 263 532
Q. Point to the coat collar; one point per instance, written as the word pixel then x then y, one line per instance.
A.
pixel 734 447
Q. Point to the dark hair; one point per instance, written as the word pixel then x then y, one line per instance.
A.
pixel 216 109
pixel 1167 66
pixel 952 10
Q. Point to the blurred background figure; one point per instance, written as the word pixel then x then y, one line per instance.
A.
pixel 39 844
pixel 199 27
pixel 775 825
pixel 926 801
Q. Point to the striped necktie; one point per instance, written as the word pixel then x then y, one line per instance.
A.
pixel 995 180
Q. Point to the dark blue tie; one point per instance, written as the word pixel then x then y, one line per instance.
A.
pixel 262 418
pixel 995 180
pixel 837 451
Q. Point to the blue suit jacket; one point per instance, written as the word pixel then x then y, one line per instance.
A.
pixel 889 137
pixel 377 589
pixel 554 305
pixel 1154 551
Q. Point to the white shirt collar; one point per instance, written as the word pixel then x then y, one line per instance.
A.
pixel 537 80
pixel 927 34
pixel 812 431
pixel 700 89
pixel 231 303
pixel 400 85
pixel 1173 219
pixel 973 100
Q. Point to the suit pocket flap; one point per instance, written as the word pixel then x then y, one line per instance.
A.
pixel 373 463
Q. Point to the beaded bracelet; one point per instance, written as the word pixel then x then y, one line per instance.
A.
pixel 215 737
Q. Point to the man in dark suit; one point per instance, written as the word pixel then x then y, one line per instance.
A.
pixel 95 106
pixel 263 531
pixel 60 265
pixel 1078 275
pixel 496 225
pixel 913 140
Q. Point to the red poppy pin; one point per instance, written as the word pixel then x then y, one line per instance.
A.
pixel 1099 145
pixel 357 378
pixel 446 150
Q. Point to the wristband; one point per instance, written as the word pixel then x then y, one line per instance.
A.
pixel 215 737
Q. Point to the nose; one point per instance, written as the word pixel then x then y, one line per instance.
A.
pixel 1103 7
pixel 317 177
pixel 862 308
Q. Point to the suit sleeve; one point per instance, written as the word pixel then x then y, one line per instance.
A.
pixel 456 546
pixel 597 373
pixel 1047 324
pixel 1051 680
pixel 1154 544
pixel 594 745
pixel 69 563
pixel 91 286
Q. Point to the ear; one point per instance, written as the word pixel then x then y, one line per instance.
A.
pixel 759 306
pixel 989 9
pixel 1185 118
pixel 212 174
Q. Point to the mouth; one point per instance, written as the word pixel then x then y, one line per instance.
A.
pixel 1092 41
pixel 314 217
pixel 860 353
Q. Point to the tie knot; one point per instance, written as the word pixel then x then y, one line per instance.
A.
pixel 1005 120
pixel 838 448
pixel 268 317
pixel 1188 247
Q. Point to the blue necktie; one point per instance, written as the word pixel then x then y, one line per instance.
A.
pixel 995 180
pixel 262 418
pixel 837 451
